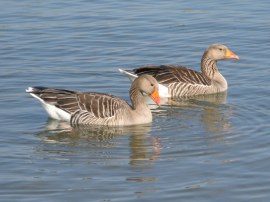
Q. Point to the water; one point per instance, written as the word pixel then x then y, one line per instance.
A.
pixel 215 149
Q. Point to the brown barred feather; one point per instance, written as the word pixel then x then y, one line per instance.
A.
pixel 167 74
pixel 99 108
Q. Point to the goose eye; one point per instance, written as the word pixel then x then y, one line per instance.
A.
pixel 152 84
pixel 220 49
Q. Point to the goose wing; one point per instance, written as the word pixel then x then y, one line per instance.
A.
pixel 95 105
pixel 62 99
pixel 167 74
pixel 97 108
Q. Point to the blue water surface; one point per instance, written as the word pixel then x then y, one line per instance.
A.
pixel 215 149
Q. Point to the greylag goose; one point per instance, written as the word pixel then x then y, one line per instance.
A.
pixel 99 108
pixel 179 81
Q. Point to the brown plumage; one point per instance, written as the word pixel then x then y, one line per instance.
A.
pixel 178 81
pixel 167 74
pixel 99 108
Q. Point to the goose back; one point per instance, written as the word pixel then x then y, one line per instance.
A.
pixel 167 74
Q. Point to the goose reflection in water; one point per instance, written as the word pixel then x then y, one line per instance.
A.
pixel 211 110
pixel 144 147
pixel 215 113
pixel 217 99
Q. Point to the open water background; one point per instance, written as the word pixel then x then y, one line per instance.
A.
pixel 204 150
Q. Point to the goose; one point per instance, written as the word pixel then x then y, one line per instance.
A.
pixel 180 81
pixel 91 108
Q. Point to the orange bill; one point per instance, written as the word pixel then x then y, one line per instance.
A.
pixel 155 97
pixel 231 55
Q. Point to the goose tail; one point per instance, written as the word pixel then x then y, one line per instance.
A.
pixel 131 75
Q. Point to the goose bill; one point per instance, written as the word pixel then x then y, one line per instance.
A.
pixel 155 97
pixel 231 55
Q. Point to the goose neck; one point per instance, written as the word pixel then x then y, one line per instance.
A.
pixel 209 67
pixel 137 99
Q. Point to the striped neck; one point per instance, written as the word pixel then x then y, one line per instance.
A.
pixel 209 69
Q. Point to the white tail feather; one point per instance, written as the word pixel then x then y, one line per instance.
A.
pixel 131 76
pixel 53 111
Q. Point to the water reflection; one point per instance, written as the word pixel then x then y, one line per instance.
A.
pixel 143 147
pixel 216 99
pixel 215 114
pixel 217 119
pixel 211 110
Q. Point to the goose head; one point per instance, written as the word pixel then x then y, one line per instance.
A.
pixel 220 52
pixel 147 84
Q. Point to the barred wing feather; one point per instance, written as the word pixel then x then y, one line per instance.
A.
pixel 168 74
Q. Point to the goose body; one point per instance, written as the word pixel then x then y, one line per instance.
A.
pixel 180 81
pixel 98 108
